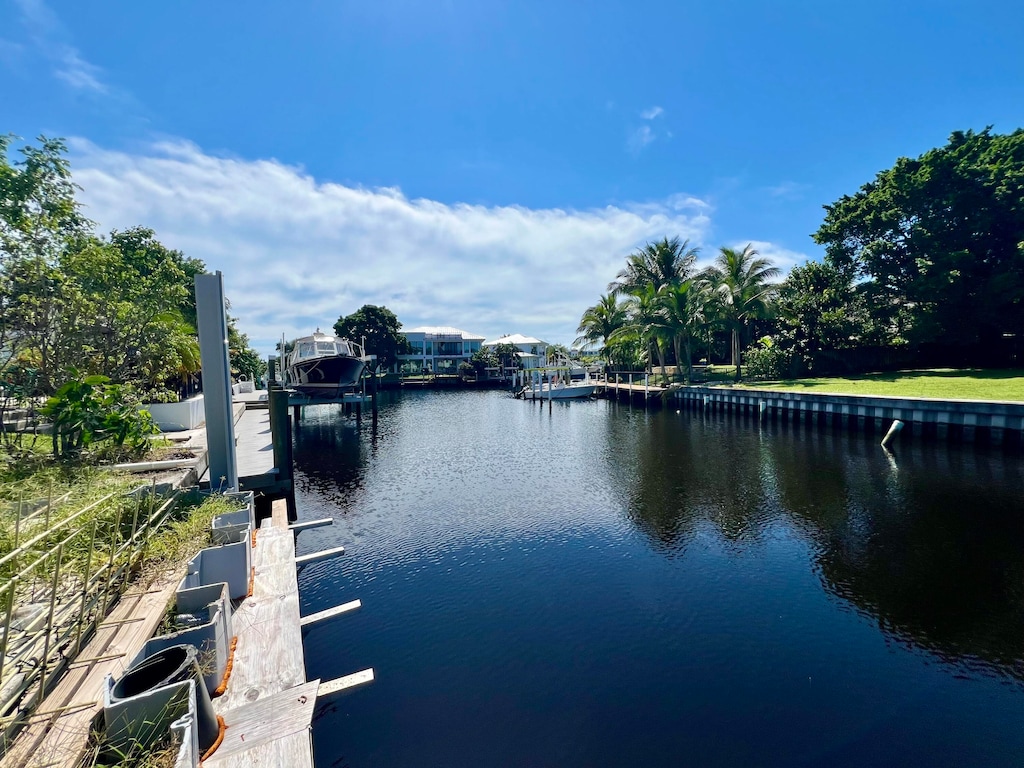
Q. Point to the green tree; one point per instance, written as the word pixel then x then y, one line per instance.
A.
pixel 684 311
pixel 125 317
pixel 938 241
pixel 507 354
pixel 742 283
pixel 819 310
pixel 599 322
pixel 378 329
pixel 38 216
pixel 666 262
pixel 645 324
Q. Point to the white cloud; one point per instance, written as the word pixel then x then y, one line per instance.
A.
pixel 790 190
pixel 650 114
pixel 297 252
pixel 77 72
pixel 639 139
pixel 47 35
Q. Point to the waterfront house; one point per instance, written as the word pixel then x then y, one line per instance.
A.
pixel 532 352
pixel 437 349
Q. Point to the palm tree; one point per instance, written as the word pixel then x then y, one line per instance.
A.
pixel 645 323
pixel 599 322
pixel 741 280
pixel 667 262
pixel 684 309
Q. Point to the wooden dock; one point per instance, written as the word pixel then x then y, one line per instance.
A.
pixel 633 391
pixel 268 705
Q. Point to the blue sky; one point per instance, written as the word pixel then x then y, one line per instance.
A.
pixel 488 164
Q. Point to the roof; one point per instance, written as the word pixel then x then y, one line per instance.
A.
pixel 514 338
pixel 443 330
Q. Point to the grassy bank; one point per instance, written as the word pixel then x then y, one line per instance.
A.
pixel 940 383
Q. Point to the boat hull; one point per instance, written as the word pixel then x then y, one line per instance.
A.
pixel 570 392
pixel 325 376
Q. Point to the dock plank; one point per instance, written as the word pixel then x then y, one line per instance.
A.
pixel 268 657
pixel 251 727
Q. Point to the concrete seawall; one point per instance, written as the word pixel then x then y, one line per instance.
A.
pixel 995 422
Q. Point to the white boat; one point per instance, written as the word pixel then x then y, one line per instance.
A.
pixel 561 390
pixel 322 365
pixel 560 382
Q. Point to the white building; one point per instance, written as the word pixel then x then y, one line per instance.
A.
pixel 533 353
pixel 437 349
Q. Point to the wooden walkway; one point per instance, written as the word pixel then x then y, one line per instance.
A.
pixel 58 731
pixel 268 705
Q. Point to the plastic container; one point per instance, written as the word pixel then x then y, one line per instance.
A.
pixel 176 664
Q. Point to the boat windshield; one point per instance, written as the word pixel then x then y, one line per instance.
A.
pixel 343 348
pixel 306 348
pixel 325 347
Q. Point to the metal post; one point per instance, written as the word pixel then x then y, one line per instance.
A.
pixel 11 586
pixel 49 624
pixel 85 588
pixel 213 350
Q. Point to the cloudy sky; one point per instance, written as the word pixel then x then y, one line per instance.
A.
pixel 487 164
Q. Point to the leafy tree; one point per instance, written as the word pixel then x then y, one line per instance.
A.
pixel 507 354
pixel 133 294
pixel 378 330
pixel 599 322
pixel 940 241
pixel 38 215
pixel 820 310
pixel 741 281
pixel 482 359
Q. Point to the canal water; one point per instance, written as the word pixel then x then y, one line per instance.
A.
pixel 595 585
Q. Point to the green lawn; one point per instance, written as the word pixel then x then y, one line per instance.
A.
pixel 942 383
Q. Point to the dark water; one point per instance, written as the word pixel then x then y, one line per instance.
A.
pixel 600 586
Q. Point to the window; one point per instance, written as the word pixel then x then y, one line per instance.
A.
pixel 306 349
pixel 325 347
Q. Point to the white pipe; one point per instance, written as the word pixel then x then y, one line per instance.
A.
pixel 894 430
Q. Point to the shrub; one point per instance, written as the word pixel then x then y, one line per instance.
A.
pixel 768 360
pixel 89 409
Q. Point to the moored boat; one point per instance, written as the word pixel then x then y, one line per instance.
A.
pixel 323 365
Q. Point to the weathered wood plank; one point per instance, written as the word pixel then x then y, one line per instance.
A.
pixel 61 739
pixel 268 657
pixel 311 524
pixel 345 683
pixel 294 750
pixel 251 726
pixel 330 613
pixel 323 554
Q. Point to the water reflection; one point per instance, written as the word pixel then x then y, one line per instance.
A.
pixel 930 544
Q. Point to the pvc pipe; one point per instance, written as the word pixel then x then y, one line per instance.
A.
pixel 894 430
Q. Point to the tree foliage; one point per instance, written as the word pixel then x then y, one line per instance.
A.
pixel 378 329
pixel 938 241
pixel 120 306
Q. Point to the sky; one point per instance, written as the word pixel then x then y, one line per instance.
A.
pixel 488 164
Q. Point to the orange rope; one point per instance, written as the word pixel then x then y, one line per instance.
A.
pixel 254 537
pixel 252 580
pixel 217 743
pixel 227 668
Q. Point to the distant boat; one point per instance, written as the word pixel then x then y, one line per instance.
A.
pixel 561 390
pixel 322 365
pixel 561 379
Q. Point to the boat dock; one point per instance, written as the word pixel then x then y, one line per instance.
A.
pixel 268 705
